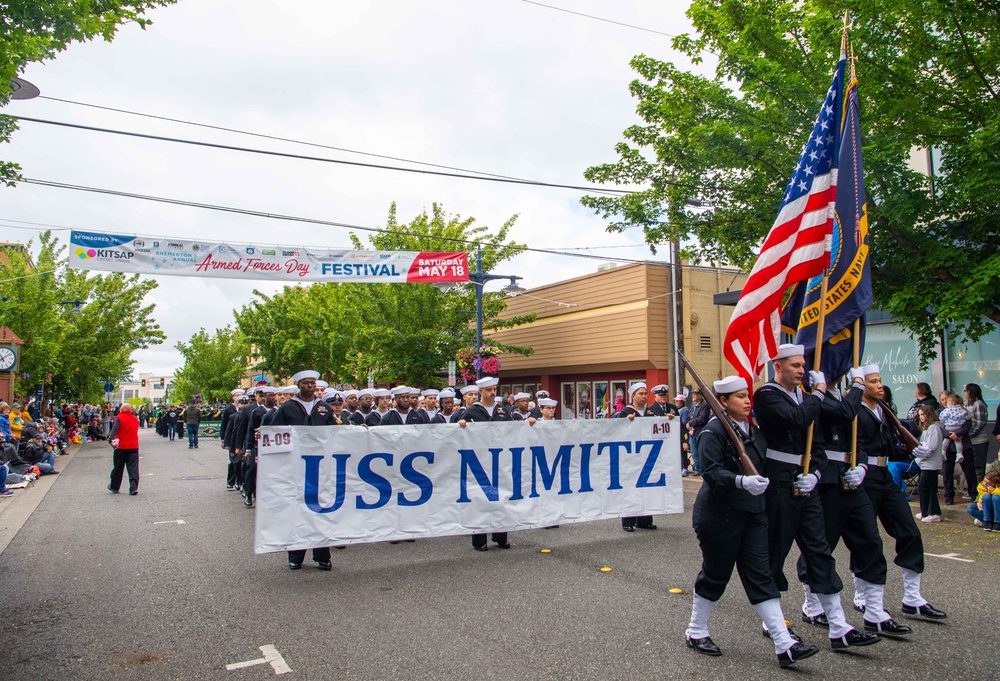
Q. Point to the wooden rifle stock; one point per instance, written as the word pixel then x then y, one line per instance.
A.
pixel 908 439
pixel 720 413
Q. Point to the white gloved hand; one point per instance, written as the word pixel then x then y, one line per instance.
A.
pixel 921 451
pixel 855 476
pixel 755 484
pixel 806 483
pixel 960 459
pixel 857 372
pixel 816 378
pixel 114 443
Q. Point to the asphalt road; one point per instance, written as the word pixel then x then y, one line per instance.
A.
pixel 103 586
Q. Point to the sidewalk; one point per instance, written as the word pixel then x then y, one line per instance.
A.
pixel 15 510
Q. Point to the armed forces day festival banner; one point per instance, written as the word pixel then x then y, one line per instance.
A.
pixel 155 255
pixel 323 486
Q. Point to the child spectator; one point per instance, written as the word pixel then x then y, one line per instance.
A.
pixel 953 417
pixel 929 457
pixel 986 510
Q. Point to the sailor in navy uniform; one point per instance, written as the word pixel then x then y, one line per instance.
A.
pixel 401 414
pixel 383 401
pixel 848 512
pixel 335 398
pixel 365 401
pixel 237 437
pixel 226 430
pixel 637 396
pixel 730 521
pixel 537 409
pixel 877 439
pixel 520 411
pixel 784 413
pixel 321 387
pixel 255 421
pixel 486 409
pixel 430 408
pixel 470 394
pixel 305 409
pixel 351 400
pixel 415 400
pixel 446 402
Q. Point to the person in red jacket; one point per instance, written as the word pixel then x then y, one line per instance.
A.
pixel 124 437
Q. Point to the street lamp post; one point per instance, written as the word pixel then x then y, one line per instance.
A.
pixel 479 279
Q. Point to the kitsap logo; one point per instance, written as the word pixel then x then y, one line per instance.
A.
pixel 102 253
pixel 85 253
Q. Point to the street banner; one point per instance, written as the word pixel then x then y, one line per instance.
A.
pixel 213 259
pixel 334 485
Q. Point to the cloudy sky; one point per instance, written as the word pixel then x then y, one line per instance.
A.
pixel 506 87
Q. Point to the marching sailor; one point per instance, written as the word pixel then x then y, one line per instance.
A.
pixel 637 395
pixel 520 411
pixel 401 414
pixel 730 520
pixel 470 394
pixel 794 510
pixel 446 401
pixel 382 397
pixel 537 410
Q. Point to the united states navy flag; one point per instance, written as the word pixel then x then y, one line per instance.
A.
pixel 849 289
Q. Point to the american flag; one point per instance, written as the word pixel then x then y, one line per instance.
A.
pixel 798 245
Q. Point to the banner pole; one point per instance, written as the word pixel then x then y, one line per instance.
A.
pixel 807 457
pixel 854 423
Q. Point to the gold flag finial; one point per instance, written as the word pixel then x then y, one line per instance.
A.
pixel 847 26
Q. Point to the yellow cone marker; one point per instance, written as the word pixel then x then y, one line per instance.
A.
pixel 546 550
pixel 605 569
pixel 676 591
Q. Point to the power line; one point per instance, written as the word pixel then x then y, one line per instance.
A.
pixel 317 221
pixel 303 157
pixel 591 16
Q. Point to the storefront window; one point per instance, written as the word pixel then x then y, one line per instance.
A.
pixel 895 352
pixel 977 363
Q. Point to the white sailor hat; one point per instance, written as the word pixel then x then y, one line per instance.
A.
pixel 400 390
pixel 730 384
pixel 431 392
pixel 322 384
pixel 546 402
pixel 414 391
pixel 304 374
pixel 363 392
pixel 290 390
pixel 237 391
pixel 661 389
pixel 447 393
pixel 871 369
pixel 522 396
pixel 471 388
pixel 487 382
pixel 329 392
pixel 790 350
pixel 632 389
pixel 349 393
pixel 381 392
pixel 542 393
pixel 267 390
pixel 251 392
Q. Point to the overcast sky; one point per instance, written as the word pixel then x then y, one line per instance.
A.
pixel 506 87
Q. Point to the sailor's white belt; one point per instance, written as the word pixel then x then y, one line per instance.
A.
pixel 878 461
pixel 842 457
pixel 775 455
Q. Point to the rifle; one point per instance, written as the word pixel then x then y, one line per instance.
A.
pixel 720 413
pixel 909 441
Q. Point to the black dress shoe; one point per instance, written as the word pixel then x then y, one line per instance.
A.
pixel 340 547
pixel 409 541
pixel 113 491
pixel 859 608
pixel 503 545
pixel 797 652
pixel 646 527
pixel 133 492
pixel 481 548
pixel 853 639
pixel 248 502
pixel 705 646
pixel 817 621
pixel 324 565
pixel 795 637
pixel 628 528
pixel 887 628
pixel 294 566
pixel 926 610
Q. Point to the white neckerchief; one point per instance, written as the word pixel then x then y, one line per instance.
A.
pixel 743 425
pixel 431 413
pixel 308 406
pixel 489 410
pixel 877 411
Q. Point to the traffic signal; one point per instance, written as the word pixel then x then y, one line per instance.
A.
pixel 144 383
pixel 163 382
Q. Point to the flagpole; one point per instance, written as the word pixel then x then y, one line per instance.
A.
pixel 807 457
pixel 854 423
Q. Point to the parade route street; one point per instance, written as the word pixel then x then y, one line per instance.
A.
pixel 103 586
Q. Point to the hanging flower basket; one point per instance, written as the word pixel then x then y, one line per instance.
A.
pixel 468 364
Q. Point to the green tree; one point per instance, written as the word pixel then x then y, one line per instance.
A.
pixel 79 349
pixel 37 31
pixel 399 332
pixel 714 153
pixel 213 365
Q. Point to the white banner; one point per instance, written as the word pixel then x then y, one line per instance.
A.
pixel 213 259
pixel 322 486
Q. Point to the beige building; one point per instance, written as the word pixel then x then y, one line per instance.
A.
pixel 597 334
pixel 153 387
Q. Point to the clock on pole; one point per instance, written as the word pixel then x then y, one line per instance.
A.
pixel 10 353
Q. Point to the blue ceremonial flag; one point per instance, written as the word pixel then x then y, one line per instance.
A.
pixel 849 288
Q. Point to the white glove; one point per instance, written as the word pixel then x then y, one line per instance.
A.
pixel 857 372
pixel 921 451
pixel 114 443
pixel 855 476
pixel 816 377
pixel 806 483
pixel 960 459
pixel 755 484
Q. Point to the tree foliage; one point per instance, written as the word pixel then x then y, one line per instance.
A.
pixel 81 350
pixel 399 332
pixel 714 153
pixel 35 31
pixel 213 365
